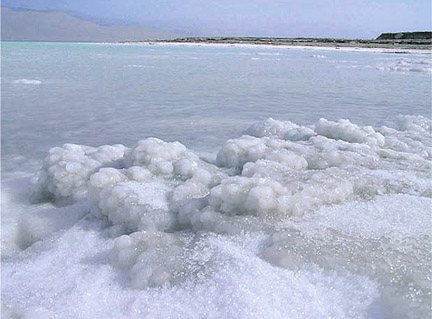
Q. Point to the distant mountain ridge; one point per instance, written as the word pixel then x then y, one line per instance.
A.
pixel 25 25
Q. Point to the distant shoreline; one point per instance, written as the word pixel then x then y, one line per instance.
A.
pixel 394 44
pixel 304 46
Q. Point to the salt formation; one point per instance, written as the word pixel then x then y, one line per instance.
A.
pixel 280 129
pixel 152 258
pixel 243 195
pixel 158 190
pixel 67 169
pixel 131 198
pixel 407 65
pixel 27 81
pixel 37 225
pixel 389 242
pixel 145 196
pixel 346 131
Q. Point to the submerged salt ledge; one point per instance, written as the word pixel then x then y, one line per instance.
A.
pixel 407 65
pixel 160 197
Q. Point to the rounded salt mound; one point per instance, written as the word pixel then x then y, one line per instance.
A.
pixel 156 192
pixel 67 169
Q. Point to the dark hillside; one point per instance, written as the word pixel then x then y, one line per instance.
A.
pixel 418 35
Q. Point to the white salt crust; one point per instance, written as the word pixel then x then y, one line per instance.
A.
pixel 157 190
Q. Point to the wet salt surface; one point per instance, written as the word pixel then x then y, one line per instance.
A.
pixel 306 218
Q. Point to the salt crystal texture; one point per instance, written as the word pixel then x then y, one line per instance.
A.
pixel 162 200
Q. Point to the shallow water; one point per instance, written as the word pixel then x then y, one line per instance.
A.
pixel 93 94
pixel 300 218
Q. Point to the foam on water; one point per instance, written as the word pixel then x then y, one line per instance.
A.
pixel 285 211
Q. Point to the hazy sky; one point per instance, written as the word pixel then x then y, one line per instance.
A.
pixel 289 18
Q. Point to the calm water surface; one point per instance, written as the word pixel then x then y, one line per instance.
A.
pixel 94 94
